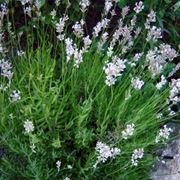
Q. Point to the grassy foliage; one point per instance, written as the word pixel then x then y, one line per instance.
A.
pixel 72 109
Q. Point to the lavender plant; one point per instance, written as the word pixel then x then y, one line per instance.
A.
pixel 84 106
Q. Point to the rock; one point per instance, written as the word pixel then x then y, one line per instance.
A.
pixel 167 166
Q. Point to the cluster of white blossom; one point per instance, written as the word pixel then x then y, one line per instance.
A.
pixel 58 165
pixel 151 18
pixel 3 12
pixel 24 2
pixel 137 83
pixel 108 5
pixel 78 57
pixel 156 61
pixel 126 34
pixel 84 4
pixel 6 72
pixel 60 27
pixel 160 84
pixel 53 14
pixel 28 126
pixel 167 52
pixel 113 70
pixel 164 134
pixel 137 154
pixel 158 56
pixel 104 152
pixel 154 34
pixel 128 131
pixel 6 69
pixel 69 48
pixel 139 6
pixel 100 26
pixel 137 56
pixel 87 42
pixel 175 91
pixel 78 28
pixel 15 96
pixel 20 53
pixel 73 52
pixel 125 11
pixel 27 10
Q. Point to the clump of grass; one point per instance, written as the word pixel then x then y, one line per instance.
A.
pixel 85 112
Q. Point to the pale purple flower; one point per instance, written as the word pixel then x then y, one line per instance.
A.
pixel 137 83
pixel 15 96
pixel 128 131
pixel 104 152
pixel 137 154
pixel 84 5
pixel 160 84
pixel 28 126
pixel 138 7
pixel 164 134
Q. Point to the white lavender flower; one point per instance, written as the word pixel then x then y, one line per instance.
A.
pixel 78 28
pixel 53 14
pixel 137 56
pixel 151 18
pixel 69 48
pixel 110 51
pixel 128 131
pixel 60 27
pixel 156 61
pixel 138 7
pixel 28 126
pixel 137 154
pixel 100 26
pixel 163 134
pixel 3 10
pixel 167 52
pixel 20 53
pixel 137 83
pixel 58 165
pixel 108 6
pixel 84 5
pixel 160 84
pixel 133 21
pixel 23 2
pixel 104 152
pixel 87 42
pixel 113 70
pixel 15 96
pixel 125 11
pixel 27 10
pixel 6 68
pixel 154 34
pixel 78 57
pixel 174 91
